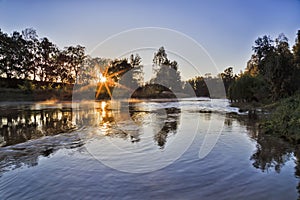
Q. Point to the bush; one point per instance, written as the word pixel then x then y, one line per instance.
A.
pixel 28 86
pixel 249 88
pixel 285 120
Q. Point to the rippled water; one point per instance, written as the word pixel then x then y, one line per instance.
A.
pixel 186 149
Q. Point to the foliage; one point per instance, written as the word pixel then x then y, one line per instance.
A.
pixel 199 86
pixel 285 120
pixel 228 78
pixel 275 63
pixel 28 86
pixel 25 56
pixel 296 50
pixel 272 72
pixel 153 91
pixel 128 73
pixel 247 88
pixel 166 72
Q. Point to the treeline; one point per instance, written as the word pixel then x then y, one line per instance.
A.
pixel 26 56
pixel 199 83
pixel 272 73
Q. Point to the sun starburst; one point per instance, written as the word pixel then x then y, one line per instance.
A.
pixel 107 81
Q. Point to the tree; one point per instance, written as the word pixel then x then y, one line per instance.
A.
pixel 296 50
pixel 63 71
pixel 228 78
pixel 75 57
pixel 47 53
pixel 199 86
pixel 14 56
pixel 252 66
pixel 296 55
pixel 5 54
pixel 283 69
pixel 160 57
pixel 262 49
pixel 166 72
pixel 123 71
pixel 32 44
pixel 138 75
pixel 274 63
pixel 247 88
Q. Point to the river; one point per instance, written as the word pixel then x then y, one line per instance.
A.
pixel 194 148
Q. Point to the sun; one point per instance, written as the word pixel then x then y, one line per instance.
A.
pixel 102 79
pixel 107 81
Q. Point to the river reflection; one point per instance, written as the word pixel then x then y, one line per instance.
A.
pixel 18 125
pixel 272 153
pixel 31 131
pixel 21 123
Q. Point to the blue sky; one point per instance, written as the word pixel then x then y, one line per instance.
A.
pixel 225 28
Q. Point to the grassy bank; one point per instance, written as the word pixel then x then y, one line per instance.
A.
pixel 29 90
pixel 284 120
pixel 13 94
pixel 280 118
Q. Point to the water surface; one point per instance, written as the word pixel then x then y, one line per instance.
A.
pixel 144 149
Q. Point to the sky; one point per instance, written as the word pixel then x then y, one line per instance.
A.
pixel 225 29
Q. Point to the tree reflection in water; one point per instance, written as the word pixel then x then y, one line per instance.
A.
pixel 168 117
pixel 271 152
pixel 170 126
pixel 18 125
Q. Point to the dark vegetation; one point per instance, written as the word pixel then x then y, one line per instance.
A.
pixel 33 68
pixel 30 65
pixel 271 82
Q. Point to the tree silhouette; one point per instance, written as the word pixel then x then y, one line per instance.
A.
pixel 296 50
pixel 47 52
pixel 166 72
pixel 228 78
pixel 32 44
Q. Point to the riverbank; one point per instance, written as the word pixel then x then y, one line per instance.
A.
pixel 280 118
pixel 12 94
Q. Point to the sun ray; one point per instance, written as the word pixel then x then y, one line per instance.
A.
pixel 108 90
pixel 107 80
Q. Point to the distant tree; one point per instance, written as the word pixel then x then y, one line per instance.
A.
pixel 274 62
pixel 283 70
pixel 248 88
pixel 296 50
pixel 63 70
pixel 32 44
pixel 47 53
pixel 166 72
pixel 29 34
pixel 137 71
pixel 199 86
pixel 228 78
pixel 123 71
pixel 160 57
pixel 5 55
pixel 252 66
pixel 75 58
pixel 262 50
pixel 14 56
pixel 296 55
